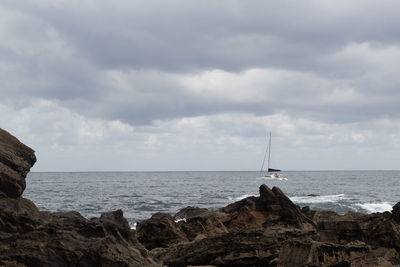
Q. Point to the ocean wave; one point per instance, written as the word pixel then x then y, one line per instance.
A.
pixel 318 199
pixel 272 178
pixel 133 225
pixel 375 207
pixel 239 198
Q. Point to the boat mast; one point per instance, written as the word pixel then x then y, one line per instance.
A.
pixel 269 151
pixel 265 154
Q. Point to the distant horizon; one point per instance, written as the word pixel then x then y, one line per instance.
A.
pixel 372 170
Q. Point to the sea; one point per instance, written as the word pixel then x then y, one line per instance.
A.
pixel 141 194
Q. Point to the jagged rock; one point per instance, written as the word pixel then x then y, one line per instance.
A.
pixel 270 230
pixel 313 253
pixel 30 237
pixel 206 224
pixel 188 213
pixel 16 159
pixel 377 229
pixel 396 212
pixel 238 248
pixel 159 231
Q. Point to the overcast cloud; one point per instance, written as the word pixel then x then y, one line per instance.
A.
pixel 195 85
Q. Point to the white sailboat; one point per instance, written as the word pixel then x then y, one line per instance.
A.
pixel 271 173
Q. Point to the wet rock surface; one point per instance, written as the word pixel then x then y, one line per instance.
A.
pixel 264 230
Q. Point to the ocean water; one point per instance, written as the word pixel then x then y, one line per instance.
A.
pixel 141 194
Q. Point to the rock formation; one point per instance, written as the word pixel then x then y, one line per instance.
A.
pixel 29 237
pixel 16 159
pixel 267 230
pixel 270 230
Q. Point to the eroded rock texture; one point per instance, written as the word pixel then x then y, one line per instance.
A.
pixel 269 230
pixel 264 230
pixel 16 159
pixel 29 237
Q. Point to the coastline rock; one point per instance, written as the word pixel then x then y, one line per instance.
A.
pixel 264 230
pixel 16 159
pixel 396 212
pixel 159 231
pixel 270 230
pixel 238 248
pixel 314 253
pixel 188 213
pixel 30 237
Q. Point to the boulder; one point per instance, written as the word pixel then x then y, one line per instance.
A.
pixel 16 159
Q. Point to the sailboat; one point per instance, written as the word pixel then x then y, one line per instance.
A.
pixel 272 173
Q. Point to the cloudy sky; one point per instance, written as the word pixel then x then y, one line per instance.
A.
pixel 98 85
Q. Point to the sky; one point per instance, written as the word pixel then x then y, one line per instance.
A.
pixel 182 85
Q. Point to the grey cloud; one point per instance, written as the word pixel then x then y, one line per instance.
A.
pixel 230 35
pixel 71 46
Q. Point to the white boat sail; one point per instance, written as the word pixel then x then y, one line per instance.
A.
pixel 271 172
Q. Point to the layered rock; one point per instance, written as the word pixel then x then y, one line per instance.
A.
pixel 16 159
pixel 29 237
pixel 270 230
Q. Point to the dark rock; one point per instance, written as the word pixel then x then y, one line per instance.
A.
pixel 16 159
pixel 265 192
pixel 29 237
pixel 270 230
pixel 188 213
pixel 159 231
pixel 313 195
pixel 244 248
pixel 206 224
pixel 313 253
pixel 396 212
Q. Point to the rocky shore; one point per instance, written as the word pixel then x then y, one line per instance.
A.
pixel 267 230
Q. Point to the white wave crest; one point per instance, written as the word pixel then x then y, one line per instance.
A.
pixel 133 225
pixel 375 207
pixel 239 198
pixel 272 178
pixel 318 199
pixel 180 220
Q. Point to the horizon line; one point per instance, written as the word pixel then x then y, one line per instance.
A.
pixel 316 170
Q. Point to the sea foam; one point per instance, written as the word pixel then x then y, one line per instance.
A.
pixel 318 199
pixel 239 198
pixel 375 207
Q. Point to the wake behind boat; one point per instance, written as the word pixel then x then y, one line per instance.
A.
pixel 271 173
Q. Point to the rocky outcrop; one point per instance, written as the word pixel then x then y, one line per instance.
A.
pixel 264 230
pixel 159 231
pixel 16 159
pixel 29 237
pixel 270 230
